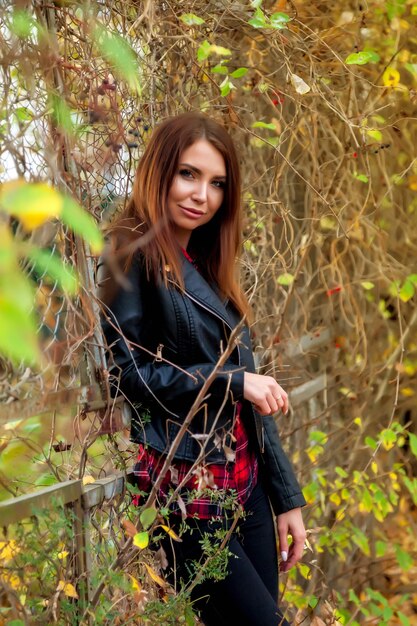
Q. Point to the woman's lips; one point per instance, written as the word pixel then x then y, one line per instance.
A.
pixel 193 213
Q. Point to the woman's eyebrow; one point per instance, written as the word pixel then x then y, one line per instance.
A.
pixel 197 171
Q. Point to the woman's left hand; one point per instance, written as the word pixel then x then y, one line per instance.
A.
pixel 291 523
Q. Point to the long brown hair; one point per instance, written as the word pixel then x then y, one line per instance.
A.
pixel 215 244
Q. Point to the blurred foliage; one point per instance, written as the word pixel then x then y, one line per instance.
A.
pixel 320 98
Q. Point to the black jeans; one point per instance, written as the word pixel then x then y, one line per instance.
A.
pixel 248 596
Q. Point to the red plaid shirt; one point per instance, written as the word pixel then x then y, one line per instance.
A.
pixel 203 495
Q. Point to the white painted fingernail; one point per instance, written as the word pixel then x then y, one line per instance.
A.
pixel 284 555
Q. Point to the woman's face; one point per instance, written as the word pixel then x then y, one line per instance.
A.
pixel 197 190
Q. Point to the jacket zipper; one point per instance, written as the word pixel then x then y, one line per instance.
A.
pixel 158 357
pixel 210 310
pixel 213 312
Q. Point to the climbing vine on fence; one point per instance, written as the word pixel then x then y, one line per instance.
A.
pixel 320 98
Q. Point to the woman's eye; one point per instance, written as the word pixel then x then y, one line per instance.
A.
pixel 220 184
pixel 186 173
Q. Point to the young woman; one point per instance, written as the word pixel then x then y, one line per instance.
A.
pixel 168 317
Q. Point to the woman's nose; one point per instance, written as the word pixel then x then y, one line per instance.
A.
pixel 200 191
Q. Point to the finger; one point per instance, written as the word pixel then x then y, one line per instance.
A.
pixel 283 542
pixel 263 408
pixel 284 397
pixel 273 403
pixel 294 554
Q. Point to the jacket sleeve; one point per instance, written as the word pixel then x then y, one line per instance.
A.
pixel 282 486
pixel 142 379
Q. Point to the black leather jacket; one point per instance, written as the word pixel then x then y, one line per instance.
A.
pixel 166 343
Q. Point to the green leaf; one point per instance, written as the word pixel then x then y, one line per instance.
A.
pixel 18 326
pixel 341 472
pixel 395 8
pixel 413 443
pixel 189 615
pixel 362 58
pixel 413 278
pixel 23 114
pixel 279 20
pixel 318 436
pixel 15 622
pixel 141 540
pixel 226 86
pixel 50 264
pixel 407 291
pixel 119 55
pixel 354 598
pixel 148 516
pixel 82 223
pixel 374 133
pixel 203 51
pixel 361 540
pixel 362 177
pixel 388 438
pixel 403 619
pixel 367 285
pixel 46 480
pixel 259 19
pixel 405 561
pixel 21 23
pixel 219 69
pixel 61 114
pixel 270 126
pixel 241 71
pixel 394 288
pixel 380 548
pixel 285 279
pixel 191 19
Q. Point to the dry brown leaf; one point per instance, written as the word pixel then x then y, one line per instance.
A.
pixel 161 558
pixel 129 527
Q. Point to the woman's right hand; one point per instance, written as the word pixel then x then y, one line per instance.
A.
pixel 265 393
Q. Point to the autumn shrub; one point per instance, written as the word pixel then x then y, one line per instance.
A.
pixel 320 98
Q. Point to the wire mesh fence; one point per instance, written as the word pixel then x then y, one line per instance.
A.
pixel 327 152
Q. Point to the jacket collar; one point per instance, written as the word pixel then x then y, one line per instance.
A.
pixel 196 285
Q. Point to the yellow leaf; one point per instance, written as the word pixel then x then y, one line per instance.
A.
pixel 348 393
pixel 407 392
pixel 391 77
pixel 136 586
pixel 374 467
pixel 412 182
pixel 63 554
pixel 154 576
pixel 8 550
pixel 67 588
pixel 32 203
pixel 171 532
pixel 88 480
pixel 335 498
pixel 13 580
pixel 141 540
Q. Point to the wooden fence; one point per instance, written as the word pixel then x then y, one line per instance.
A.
pixel 81 499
